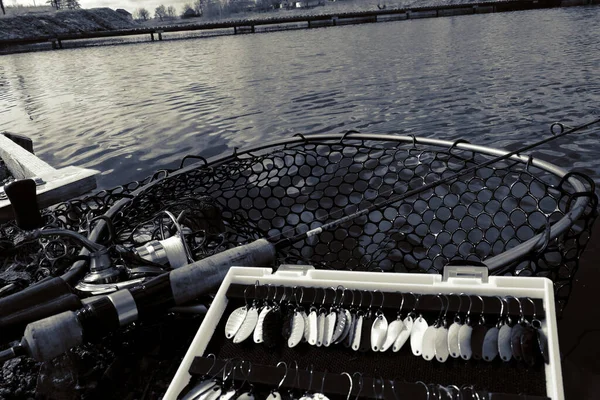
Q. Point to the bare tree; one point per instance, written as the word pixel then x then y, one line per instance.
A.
pixel 142 14
pixel 72 4
pixel 160 12
pixel 2 7
pixel 199 6
pixel 58 4
pixel 171 12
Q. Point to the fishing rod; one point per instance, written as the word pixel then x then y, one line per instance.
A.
pixel 432 185
pixel 52 336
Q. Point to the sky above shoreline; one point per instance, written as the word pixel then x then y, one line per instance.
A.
pixel 129 5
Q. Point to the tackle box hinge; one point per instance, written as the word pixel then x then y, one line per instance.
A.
pixel 479 271
pixel 294 269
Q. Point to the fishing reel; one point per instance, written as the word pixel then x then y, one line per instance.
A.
pixel 153 248
pixel 172 251
pixel 117 267
pixel 157 245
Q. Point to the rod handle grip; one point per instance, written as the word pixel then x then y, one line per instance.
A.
pixel 23 198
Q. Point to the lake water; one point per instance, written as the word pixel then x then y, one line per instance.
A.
pixel 494 79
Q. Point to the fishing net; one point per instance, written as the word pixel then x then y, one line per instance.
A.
pixel 521 217
pixel 510 215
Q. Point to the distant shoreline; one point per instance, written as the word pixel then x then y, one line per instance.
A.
pixel 100 34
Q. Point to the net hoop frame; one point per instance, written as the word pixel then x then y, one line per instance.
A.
pixel 493 263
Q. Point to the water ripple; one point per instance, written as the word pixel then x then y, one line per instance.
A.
pixel 494 79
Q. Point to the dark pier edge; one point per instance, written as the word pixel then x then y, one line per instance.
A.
pixel 311 21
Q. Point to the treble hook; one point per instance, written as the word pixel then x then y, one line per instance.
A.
pixel 372 299
pixel 401 305
pixel 256 285
pixel 436 390
pixel 439 296
pixel 227 372
pixel 314 300
pixel 343 294
pixel 334 295
pixel 482 317
pixel 246 295
pixel 474 394
pixel 353 297
pixel 299 303
pixel 382 300
pixel 521 313
pixel 417 299
pixel 457 391
pixel 382 393
pixel 534 321
pixel 426 388
pixel 446 391
pixel 311 379
pixel 285 374
pixel 447 307
pixel 284 295
pixel 296 377
pixel 222 369
pixel 214 357
pixel 274 293
pixel 457 316
pixel 361 299
pixel 323 382
pixel 534 310
pixel 394 389
pixel 247 375
pixel 351 384
pixel 360 383
pixel 468 316
pixel 501 310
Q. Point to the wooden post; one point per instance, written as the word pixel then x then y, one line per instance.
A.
pixel 59 44
pixel 334 20
pixel 235 30
pixel 253 30
pixel 159 34
pixel 437 13
pixel 309 25
pixel 408 15
pixel 53 41
pixel 58 184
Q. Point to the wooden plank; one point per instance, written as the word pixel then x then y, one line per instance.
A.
pixel 21 163
pixel 59 184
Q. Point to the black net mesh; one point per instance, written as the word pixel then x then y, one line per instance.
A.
pixel 300 186
pixel 281 191
pixel 284 190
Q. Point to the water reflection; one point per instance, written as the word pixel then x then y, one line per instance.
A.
pixel 495 79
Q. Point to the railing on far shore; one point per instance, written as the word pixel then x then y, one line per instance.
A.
pixel 305 21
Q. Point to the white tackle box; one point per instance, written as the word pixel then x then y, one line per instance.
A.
pixel 465 280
